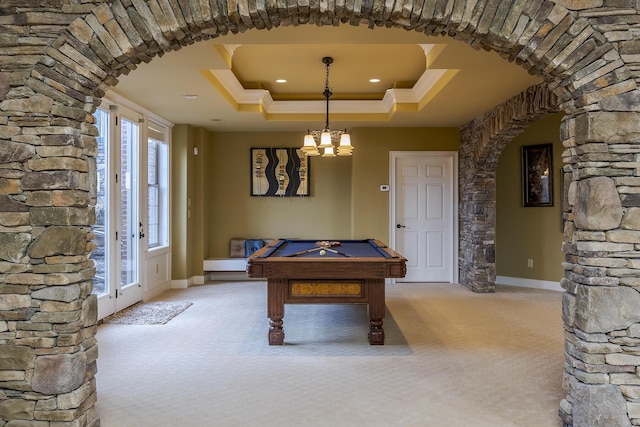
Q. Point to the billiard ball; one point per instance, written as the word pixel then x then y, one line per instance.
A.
pixel 322 252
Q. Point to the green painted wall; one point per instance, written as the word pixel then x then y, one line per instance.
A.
pixel 233 212
pixel 179 141
pixel 346 201
pixel 533 232
pixel 196 221
pixel 371 169
pixel 189 174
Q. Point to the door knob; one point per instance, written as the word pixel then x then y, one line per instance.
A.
pixel 400 226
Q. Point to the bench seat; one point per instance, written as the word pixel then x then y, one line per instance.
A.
pixel 233 267
pixel 225 264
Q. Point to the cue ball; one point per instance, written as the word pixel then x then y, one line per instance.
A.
pixel 322 252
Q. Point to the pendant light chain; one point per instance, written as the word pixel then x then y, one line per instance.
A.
pixel 327 91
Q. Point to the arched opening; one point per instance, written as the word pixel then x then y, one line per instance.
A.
pixel 111 399
pixel 516 222
pixel 486 137
pixel 66 83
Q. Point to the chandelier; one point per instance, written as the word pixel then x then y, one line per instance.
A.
pixel 327 139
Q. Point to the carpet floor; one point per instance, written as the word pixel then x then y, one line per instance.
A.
pixel 451 358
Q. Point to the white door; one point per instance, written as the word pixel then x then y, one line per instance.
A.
pixel 424 214
pixel 118 226
pixel 103 229
pixel 131 230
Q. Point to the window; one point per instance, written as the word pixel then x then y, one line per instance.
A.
pixel 158 187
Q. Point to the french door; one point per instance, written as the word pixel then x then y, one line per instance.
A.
pixel 119 229
pixel 130 230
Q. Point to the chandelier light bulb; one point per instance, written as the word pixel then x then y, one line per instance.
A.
pixel 309 148
pixel 309 143
pixel 328 152
pixel 325 139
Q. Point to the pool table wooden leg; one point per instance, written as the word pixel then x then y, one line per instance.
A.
pixel 376 311
pixel 276 290
pixel 376 332
pixel 276 333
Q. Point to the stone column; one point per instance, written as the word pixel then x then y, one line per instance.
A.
pixel 48 316
pixel 477 215
pixel 601 305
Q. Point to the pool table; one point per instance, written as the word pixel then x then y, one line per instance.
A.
pixel 326 272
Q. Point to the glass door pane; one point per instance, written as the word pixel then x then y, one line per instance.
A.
pixel 100 255
pixel 129 221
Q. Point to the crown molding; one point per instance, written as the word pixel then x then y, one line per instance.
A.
pixel 260 100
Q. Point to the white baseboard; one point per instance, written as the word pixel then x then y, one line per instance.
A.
pixel 529 283
pixel 180 284
pixel 187 283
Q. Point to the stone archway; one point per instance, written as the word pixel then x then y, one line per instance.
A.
pixel 69 52
pixel 481 143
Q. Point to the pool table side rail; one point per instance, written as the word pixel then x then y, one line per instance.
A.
pixel 259 265
pixel 386 249
pixel 274 245
pixel 311 269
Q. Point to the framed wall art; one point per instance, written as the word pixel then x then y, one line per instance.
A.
pixel 537 175
pixel 282 172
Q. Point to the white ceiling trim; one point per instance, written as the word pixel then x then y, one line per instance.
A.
pixel 239 94
pixel 387 106
pixel 389 102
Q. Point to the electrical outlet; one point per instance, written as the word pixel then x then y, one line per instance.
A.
pixel 530 263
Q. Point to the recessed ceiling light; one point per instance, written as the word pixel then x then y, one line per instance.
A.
pixel 374 80
pixel 281 80
pixel 190 96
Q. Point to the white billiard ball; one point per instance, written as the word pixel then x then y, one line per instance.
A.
pixel 322 252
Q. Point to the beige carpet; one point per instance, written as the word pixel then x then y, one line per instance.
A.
pixel 452 358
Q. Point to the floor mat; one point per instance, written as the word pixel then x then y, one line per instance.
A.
pixel 150 313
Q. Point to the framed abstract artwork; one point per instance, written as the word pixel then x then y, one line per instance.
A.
pixel 279 172
pixel 537 175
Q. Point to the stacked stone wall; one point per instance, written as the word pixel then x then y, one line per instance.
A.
pixel 58 57
pixel 481 142
pixel 48 350
pixel 601 242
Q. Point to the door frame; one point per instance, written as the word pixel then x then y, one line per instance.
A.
pixel 134 290
pixel 106 301
pixel 394 156
pixel 154 265
pixel 112 302
pixel 155 262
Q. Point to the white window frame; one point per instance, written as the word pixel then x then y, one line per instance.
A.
pixel 160 134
